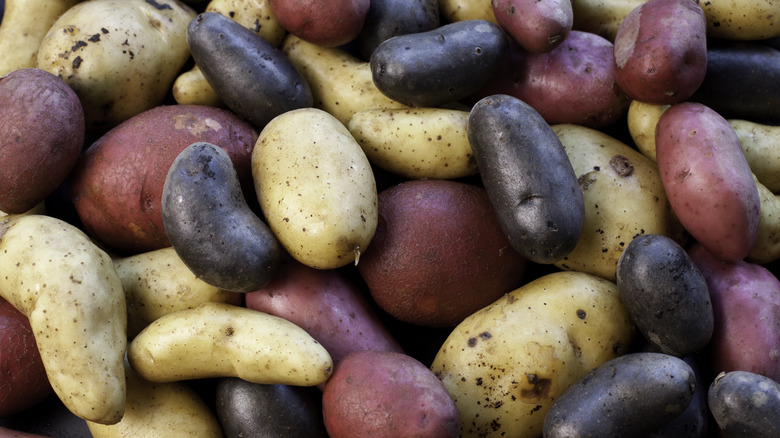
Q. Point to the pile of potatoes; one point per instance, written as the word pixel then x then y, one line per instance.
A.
pixel 389 218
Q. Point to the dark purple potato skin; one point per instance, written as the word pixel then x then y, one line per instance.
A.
pixel 745 404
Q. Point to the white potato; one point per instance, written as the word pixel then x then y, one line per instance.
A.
pixel 315 187
pixel 224 340
pixel 68 288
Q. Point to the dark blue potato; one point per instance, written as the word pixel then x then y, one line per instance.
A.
pixel 745 405
pixel 389 18
pixel 428 69
pixel 253 78
pixel 210 225
pixel 528 177
pixel 247 409
pixel 665 294
pixel 623 397
pixel 694 422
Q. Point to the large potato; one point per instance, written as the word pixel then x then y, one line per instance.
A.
pixel 506 364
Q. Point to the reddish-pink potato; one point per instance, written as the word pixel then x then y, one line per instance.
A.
pixel 661 51
pixel 116 186
pixel 23 379
pixel 746 305
pixel 42 126
pixel 538 26
pixel 708 180
pixel 381 394
pixel 438 254
pixel 326 23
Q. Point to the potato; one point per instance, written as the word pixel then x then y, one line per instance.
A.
pixel 708 180
pixel 461 10
pixel 438 66
pixel 661 51
pixel 117 184
pixel 761 146
pixel 223 242
pixel 507 363
pixel 44 125
pixel 528 177
pixel 315 187
pixel 326 304
pixel 327 23
pixel 389 18
pixel 21 370
pixel 666 295
pixel 387 394
pixel 602 17
pixel 695 421
pixel 767 246
pixel 416 143
pixel 438 254
pixel 253 409
pixel 746 305
pixel 741 19
pixel 68 288
pixel 341 82
pixel 658 385
pixel 642 119
pixel 253 78
pixel 537 26
pixel 122 63
pixel 745 404
pixel 22 30
pixel 224 340
pixel 623 196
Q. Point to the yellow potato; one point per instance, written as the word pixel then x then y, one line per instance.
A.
pixel 119 56
pixel 767 246
pixel 191 88
pixel 602 17
pixel 24 25
pixel 160 409
pixel 223 340
pixel 624 197
pixel 315 187
pixel 741 19
pixel 416 143
pixel 68 288
pixel 459 10
pixel 506 364
pixel 340 82
pixel 642 118
pixel 158 282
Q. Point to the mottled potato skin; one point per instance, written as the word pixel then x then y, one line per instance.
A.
pixel 327 23
pixel 745 404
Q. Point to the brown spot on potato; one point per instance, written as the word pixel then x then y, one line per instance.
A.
pixel 622 166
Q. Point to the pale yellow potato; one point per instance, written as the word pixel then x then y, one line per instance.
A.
pixel 642 119
pixel 68 288
pixel 506 364
pixel 158 282
pixel 340 82
pixel 624 197
pixel 741 19
pixel 416 142
pixel 119 56
pixel 40 208
pixel 602 17
pixel 315 187
pixel 25 24
pixel 192 88
pixel 767 246
pixel 224 340
pixel 459 10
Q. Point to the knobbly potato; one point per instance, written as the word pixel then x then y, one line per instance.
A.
pixel 122 63
pixel 327 23
pixel 745 404
pixel 460 10
pixel 602 17
pixel 224 340
pixel 389 18
pixel 416 143
pixel 506 364
pixel 315 187
pixel 68 288
pixel 537 26
pixel 741 19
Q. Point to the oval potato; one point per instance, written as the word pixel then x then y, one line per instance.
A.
pixel 460 10
pixel 741 19
pixel 745 404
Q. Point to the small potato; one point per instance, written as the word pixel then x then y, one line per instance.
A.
pixel 327 23
pixel 642 119
pixel 538 26
pixel 745 404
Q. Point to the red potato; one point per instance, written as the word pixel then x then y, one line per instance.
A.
pixel 43 125
pixel 661 51
pixel 538 26
pixel 746 305
pixel 378 394
pixel 116 186
pixel 327 23
pixel 23 378
pixel 708 180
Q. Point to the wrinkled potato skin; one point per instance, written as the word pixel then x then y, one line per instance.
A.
pixel 741 19
pixel 506 364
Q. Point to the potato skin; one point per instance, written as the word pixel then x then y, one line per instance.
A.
pixel 666 295
pixel 528 177
pixel 745 404
pixel 607 400
pixel 537 26
pixel 661 51
pixel 43 122
pixel 389 18
pixel 326 23
pixel 386 394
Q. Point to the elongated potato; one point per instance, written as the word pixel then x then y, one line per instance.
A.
pixel 315 187
pixel 741 19
pixel 70 291
pixel 602 17
pixel 223 340
pixel 416 143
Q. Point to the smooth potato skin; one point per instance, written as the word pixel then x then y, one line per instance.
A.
pixel 745 404
pixel 708 180
pixel 43 125
pixel 538 26
pixel 389 18
pixel 327 23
